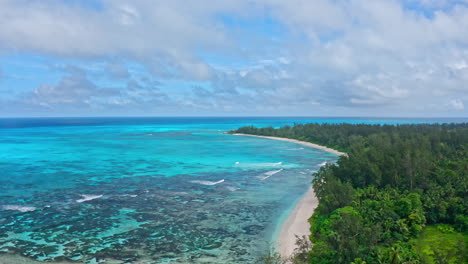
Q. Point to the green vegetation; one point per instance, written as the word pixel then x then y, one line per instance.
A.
pixel 399 196
pixel 299 256
pixel 271 256
pixel 441 244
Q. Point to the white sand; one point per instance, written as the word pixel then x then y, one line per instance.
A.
pixel 312 145
pixel 297 222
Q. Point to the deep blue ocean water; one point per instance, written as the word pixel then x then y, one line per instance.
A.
pixel 149 190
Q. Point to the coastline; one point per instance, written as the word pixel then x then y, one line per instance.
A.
pixel 312 145
pixel 297 222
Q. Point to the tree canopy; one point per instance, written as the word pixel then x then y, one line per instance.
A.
pixel 375 202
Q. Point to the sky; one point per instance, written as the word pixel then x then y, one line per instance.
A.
pixel 383 58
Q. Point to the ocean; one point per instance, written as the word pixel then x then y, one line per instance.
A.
pixel 149 190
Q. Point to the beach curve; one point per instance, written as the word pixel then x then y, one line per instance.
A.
pixel 297 224
pixel 304 143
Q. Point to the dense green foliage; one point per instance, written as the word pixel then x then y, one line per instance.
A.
pixel 441 244
pixel 375 202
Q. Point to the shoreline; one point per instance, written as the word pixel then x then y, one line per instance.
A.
pixel 296 222
pixel 305 143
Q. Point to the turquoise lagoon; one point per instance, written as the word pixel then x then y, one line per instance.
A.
pixel 148 190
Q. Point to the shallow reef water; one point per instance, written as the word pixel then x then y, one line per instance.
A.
pixel 154 191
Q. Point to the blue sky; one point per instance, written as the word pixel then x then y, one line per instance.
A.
pixel 234 58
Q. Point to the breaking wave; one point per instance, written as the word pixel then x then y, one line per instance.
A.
pixel 268 174
pixel 19 208
pixel 88 198
pixel 259 164
pixel 232 189
pixel 323 164
pixel 208 183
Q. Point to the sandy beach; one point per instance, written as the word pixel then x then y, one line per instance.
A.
pixel 312 145
pixel 296 224
pixel 297 221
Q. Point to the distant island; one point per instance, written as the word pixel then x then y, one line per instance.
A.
pixel 399 195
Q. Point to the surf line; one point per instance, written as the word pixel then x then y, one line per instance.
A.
pixel 208 183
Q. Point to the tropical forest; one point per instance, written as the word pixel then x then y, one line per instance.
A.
pixel 399 195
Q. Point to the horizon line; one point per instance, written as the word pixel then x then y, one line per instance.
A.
pixel 233 116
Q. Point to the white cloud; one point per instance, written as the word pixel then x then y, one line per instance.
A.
pixel 137 30
pixel 74 91
pixel 387 54
pixel 457 104
pixel 434 4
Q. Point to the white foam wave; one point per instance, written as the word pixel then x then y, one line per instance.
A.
pixel 259 164
pixel 209 183
pixel 296 149
pixel 271 164
pixel 323 164
pixel 129 195
pixel 88 198
pixel 268 174
pixel 232 189
pixel 19 208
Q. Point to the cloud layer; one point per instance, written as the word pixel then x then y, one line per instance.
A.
pixel 271 57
